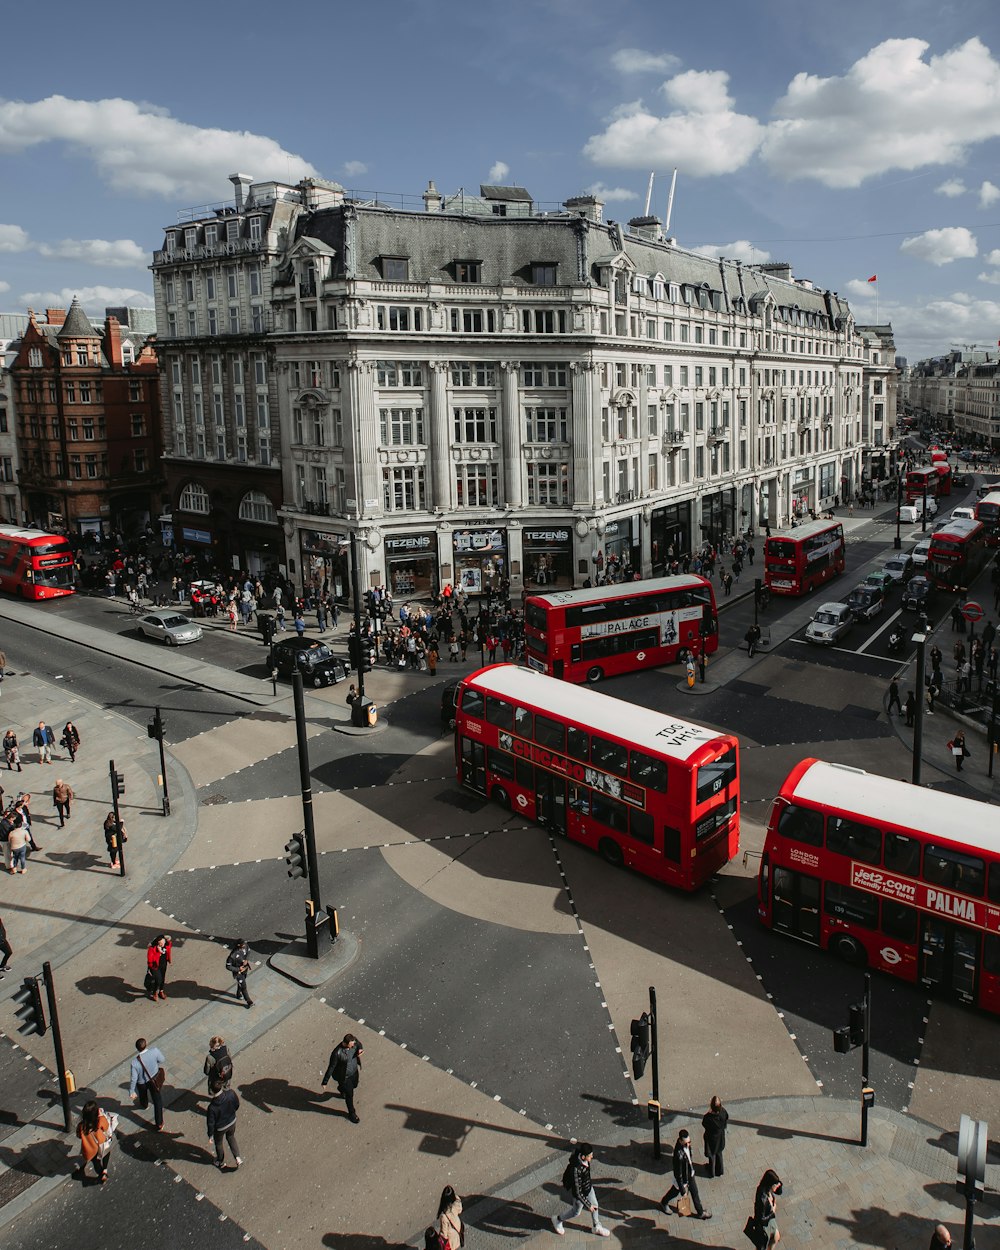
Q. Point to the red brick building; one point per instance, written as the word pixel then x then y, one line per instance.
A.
pixel 89 433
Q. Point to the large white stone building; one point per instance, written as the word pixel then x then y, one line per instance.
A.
pixel 479 388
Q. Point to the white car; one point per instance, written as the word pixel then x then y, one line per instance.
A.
pixel 169 627
pixel 921 553
pixel 962 514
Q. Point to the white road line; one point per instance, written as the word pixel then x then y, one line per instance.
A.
pixel 895 617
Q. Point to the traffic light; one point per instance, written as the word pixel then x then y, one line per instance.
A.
pixel 295 855
pixel 156 728
pixel 30 1012
pixel 857 1024
pixel 640 1044
pixel 118 784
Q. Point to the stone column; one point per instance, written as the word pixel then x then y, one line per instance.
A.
pixel 363 427
pixel 440 488
pixel 585 423
pixel 510 421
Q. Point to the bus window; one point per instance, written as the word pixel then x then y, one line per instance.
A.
pixel 714 777
pixel 472 702
pixel 500 762
pixel 993 892
pixel 899 921
pixel 522 722
pixel 524 772
pixel 647 771
pixel 609 756
pixel 609 812
pixel 641 826
pixel 499 712
pixel 579 800
pixel 801 824
pixel 847 903
pixel 943 866
pixel 672 844
pixel 902 854
pixel 550 733
pixel 578 743
pixel 850 837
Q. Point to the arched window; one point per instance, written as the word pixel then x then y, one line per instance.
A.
pixel 194 498
pixel 255 506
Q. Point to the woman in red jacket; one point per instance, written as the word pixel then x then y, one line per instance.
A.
pixel 94 1132
pixel 157 957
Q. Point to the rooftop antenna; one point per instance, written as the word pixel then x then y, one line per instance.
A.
pixel 670 202
pixel 649 193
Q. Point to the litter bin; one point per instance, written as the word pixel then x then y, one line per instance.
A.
pixel 364 713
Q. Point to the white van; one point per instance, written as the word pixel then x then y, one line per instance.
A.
pixel 911 513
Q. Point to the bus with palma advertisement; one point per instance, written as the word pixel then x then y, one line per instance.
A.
pixel 988 515
pixel 35 565
pixel 798 560
pixel 643 789
pixel 887 875
pixel 587 635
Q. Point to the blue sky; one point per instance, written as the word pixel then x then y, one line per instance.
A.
pixel 860 140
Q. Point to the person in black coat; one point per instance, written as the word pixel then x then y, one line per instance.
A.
pixel 714 1123
pixel 221 1123
pixel 345 1069
pixel 684 1178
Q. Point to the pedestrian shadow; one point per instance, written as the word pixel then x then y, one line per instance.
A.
pixel 77 861
pixel 52 1156
pixel 503 1219
pixel 268 1093
pixel 145 1145
pixel 776 1133
pixel 110 987
pixel 445 1135
pixel 622 1113
pixel 875 1226
pixel 361 1241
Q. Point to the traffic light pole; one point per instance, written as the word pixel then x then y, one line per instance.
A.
pixel 655 1060
pixel 119 846
pixel 918 725
pixel 867 1094
pixel 356 595
pixel 158 735
pixel 313 906
pixel 64 1091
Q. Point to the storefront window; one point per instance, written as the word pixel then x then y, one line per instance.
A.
pixel 548 559
pixel 481 560
pixel 411 565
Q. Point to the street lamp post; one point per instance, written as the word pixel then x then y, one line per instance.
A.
pixel 918 725
pixel 923 519
pixel 897 541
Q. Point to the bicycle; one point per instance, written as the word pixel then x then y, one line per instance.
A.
pixel 135 608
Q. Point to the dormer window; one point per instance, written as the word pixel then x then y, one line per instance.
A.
pixel 35 357
pixel 256 229
pixel 81 356
pixel 468 271
pixel 171 242
pixel 191 238
pixel 395 269
pixel 211 235
pixel 543 274
pixel 232 230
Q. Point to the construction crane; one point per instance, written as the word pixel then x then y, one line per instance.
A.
pixel 972 347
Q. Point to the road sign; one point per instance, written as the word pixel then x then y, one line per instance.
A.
pixel 973 611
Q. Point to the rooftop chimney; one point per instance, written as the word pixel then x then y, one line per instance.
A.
pixel 432 198
pixel 647 227
pixel 55 316
pixel 240 181
pixel 588 206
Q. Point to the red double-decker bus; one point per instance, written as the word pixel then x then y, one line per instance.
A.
pixel 924 478
pixel 35 565
pixel 957 555
pixel 988 514
pixel 943 470
pixel 642 789
pixel 800 559
pixel 586 635
pixel 889 875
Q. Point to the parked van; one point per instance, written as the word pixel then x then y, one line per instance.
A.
pixel 911 513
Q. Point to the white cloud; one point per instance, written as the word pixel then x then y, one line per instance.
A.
pixel 941 247
pixel 993 258
pixel 891 110
pixel 988 194
pixel 636 61
pixel 13 239
pixel 115 253
pixel 951 188
pixel 611 195
pixel 93 298
pixel 140 148
pixel 929 326
pixel 4 286
pixel 993 277
pixel 354 168
pixel 704 136
pixel 741 249
pixel 498 172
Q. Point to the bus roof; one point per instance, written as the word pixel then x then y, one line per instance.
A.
pixel 992 498
pixel 805 531
pixel 652 731
pixel 947 817
pixel 621 590
pixel 27 535
pixel 961 528
pixel 923 468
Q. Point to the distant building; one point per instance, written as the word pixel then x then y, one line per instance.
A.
pixel 482 389
pixel 88 424
pixel 12 326
pixel 959 391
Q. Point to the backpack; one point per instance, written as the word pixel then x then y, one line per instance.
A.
pixel 568 1175
pixel 223 1071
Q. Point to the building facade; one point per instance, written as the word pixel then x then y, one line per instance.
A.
pixel 480 390
pixel 958 392
pixel 12 326
pixel 88 425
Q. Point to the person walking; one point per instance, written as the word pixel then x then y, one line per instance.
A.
pixel 765 1210
pixel 6 948
pixel 578 1181
pixel 147 1073
pixel 940 1238
pixel 12 751
pixel 218 1065
pixel 62 797
pixel 112 828
pixel 344 1069
pixel 911 708
pixel 220 1118
pixel 238 963
pixel 43 738
pixel 714 1123
pixel 894 698
pixel 449 1215
pixel 71 740
pixel 17 847
pixel 158 955
pixel 96 1135
pixel 684 1178
pixel 960 752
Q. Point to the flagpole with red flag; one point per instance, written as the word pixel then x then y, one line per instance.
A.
pixel 874 278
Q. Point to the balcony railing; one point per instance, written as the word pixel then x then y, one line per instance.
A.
pixel 672 439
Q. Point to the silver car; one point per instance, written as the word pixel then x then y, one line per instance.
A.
pixel 169 627
pixel 830 623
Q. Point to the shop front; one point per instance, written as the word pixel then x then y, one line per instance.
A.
pixel 480 560
pixel 548 558
pixel 718 516
pixel 803 499
pixel 326 561
pixel 620 558
pixel 669 536
pixel 411 565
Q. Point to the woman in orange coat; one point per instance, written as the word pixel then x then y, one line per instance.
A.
pixel 94 1132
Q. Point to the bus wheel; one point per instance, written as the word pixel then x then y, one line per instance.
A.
pixel 501 798
pixel 611 852
pixel 594 675
pixel 851 952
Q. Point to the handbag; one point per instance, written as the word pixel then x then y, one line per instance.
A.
pixel 684 1205
pixel 754 1232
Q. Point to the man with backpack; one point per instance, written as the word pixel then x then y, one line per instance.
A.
pixel 577 1181
pixel 238 963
